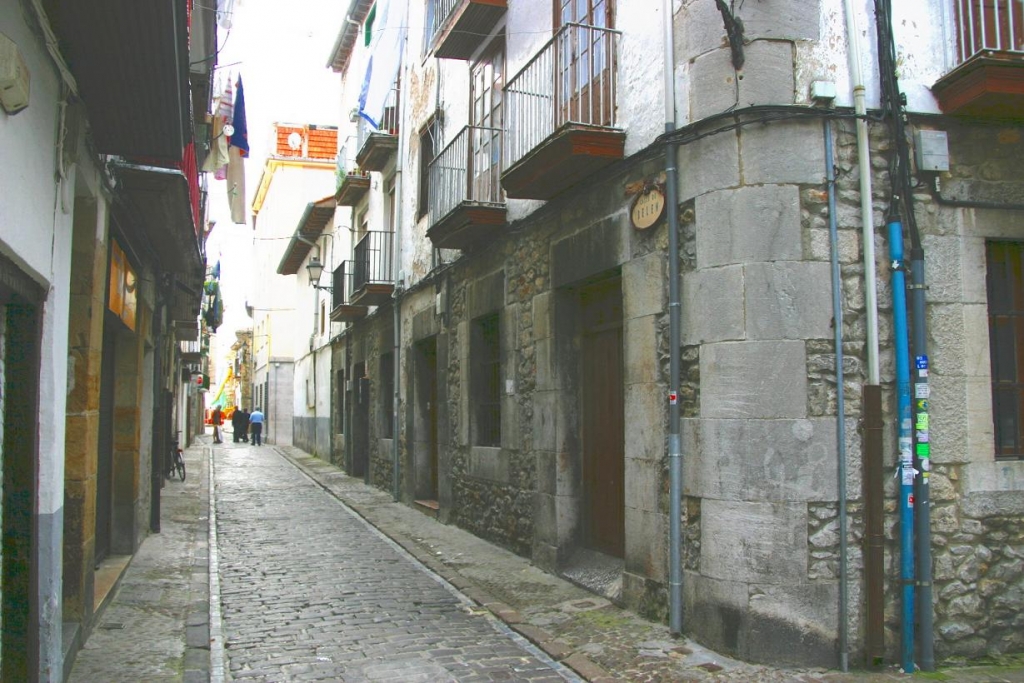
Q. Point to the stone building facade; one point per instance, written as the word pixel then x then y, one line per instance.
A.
pixel 526 376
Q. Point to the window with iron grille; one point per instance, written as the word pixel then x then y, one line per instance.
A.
pixel 1005 274
pixel 485 369
pixel 387 392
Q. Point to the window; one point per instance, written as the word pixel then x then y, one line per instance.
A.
pixel 323 317
pixel 485 378
pixel 387 391
pixel 1005 274
pixel 430 144
pixel 488 79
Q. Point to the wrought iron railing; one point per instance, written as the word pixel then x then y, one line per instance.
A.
pixel 570 81
pixel 441 10
pixel 988 26
pixel 190 347
pixel 468 169
pixel 372 260
pixel 341 282
pixel 388 119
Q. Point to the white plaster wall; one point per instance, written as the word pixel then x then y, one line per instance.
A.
pixel 924 51
pixel 35 233
pixel 280 296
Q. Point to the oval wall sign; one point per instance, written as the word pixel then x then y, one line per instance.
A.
pixel 648 208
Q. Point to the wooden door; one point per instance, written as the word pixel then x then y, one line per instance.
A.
pixel 429 377
pixel 603 418
pixel 105 451
pixel 360 421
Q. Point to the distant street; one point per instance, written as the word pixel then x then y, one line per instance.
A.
pixel 309 591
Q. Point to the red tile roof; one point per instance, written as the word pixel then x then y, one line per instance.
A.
pixel 312 142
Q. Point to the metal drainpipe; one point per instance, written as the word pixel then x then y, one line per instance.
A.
pixel 837 317
pixel 675 458
pixel 922 393
pixel 396 248
pixel 872 413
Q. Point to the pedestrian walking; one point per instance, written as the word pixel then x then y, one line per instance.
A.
pixel 217 418
pixel 256 422
pixel 240 425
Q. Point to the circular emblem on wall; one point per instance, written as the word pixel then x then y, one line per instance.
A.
pixel 648 208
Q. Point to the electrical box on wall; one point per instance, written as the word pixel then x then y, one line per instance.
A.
pixel 14 77
pixel 931 150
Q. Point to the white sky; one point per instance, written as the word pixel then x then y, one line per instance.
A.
pixel 280 49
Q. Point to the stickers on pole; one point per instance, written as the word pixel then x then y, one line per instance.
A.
pixel 921 363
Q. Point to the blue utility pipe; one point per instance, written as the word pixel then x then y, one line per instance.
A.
pixel 906 458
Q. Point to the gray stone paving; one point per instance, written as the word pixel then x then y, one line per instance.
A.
pixel 155 627
pixel 309 591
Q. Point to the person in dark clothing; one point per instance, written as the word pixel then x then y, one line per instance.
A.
pixel 240 425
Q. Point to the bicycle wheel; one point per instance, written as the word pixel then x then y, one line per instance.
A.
pixel 179 466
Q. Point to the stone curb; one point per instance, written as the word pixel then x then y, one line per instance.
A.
pixel 556 649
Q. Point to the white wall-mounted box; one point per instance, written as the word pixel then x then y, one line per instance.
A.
pixel 14 77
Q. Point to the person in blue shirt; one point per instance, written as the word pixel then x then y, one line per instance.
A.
pixel 256 422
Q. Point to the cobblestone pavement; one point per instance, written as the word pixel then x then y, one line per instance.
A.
pixel 309 591
pixel 359 609
pixel 155 628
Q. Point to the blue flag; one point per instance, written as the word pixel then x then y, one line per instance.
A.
pixel 240 138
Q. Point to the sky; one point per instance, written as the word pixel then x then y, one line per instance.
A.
pixel 280 49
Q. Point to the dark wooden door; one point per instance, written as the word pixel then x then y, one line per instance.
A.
pixel 603 418
pixel 105 450
pixel 430 394
pixel 360 422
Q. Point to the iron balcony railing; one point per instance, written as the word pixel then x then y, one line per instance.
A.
pixel 468 169
pixel 441 10
pixel 388 119
pixel 372 260
pixel 191 347
pixel 341 283
pixel 570 81
pixel 988 26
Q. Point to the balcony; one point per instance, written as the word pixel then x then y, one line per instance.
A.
pixel 378 146
pixel 341 310
pixel 561 114
pixel 352 188
pixel 191 351
pixel 372 278
pixel 988 79
pixel 465 203
pixel 463 25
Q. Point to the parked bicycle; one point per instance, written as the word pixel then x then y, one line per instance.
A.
pixel 175 465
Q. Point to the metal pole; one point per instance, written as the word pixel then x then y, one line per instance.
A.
pixel 675 458
pixel 906 458
pixel 837 316
pixel 922 393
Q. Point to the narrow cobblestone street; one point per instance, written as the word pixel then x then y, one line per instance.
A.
pixel 309 591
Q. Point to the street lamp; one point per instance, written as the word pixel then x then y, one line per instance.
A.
pixel 315 270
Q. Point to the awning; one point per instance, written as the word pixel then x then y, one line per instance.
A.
pixel 160 206
pixel 131 62
pixel 317 216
